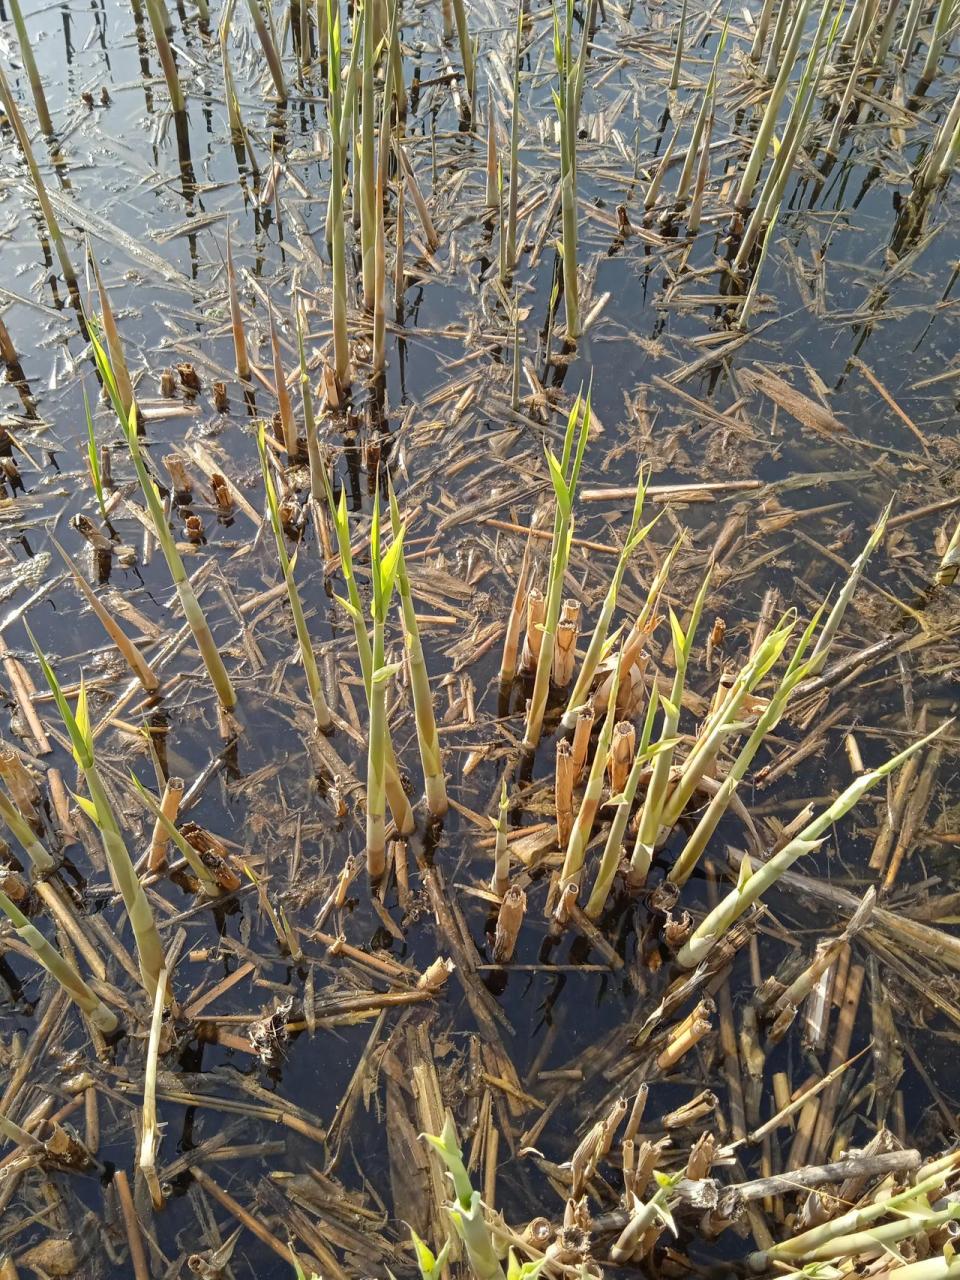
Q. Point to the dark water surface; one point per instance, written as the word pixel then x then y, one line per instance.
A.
pixel 851 297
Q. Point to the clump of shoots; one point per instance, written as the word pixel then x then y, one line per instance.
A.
pixel 314 683
pixel 655 799
pixel 427 736
pixel 99 810
pixel 565 475
pixel 58 967
pixel 188 600
pixel 752 884
pixel 383 570
pixel 396 796
pixel 598 640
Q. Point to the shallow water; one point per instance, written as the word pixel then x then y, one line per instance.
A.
pixel 843 283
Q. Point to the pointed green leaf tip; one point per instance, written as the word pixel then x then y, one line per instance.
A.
pixel 448 1149
pixel 517 1270
pixel 431 1266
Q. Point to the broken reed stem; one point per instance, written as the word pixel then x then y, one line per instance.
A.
pixel 103 1019
pixel 125 646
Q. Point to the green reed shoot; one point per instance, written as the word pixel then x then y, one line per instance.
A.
pixel 23 833
pixel 229 85
pixel 314 683
pixel 749 302
pixel 165 54
pixel 287 422
pixel 466 1210
pixel 379 354
pixel 428 739
pixel 685 180
pixel 383 572
pixel 58 967
pixel 93 457
pixel 598 640
pixel 656 797
pixel 100 812
pixel 752 884
pixel 937 44
pixel 566 101
pixel 950 561
pixel 762 141
pixel 832 625
pixel 53 226
pixel 430 1265
pixel 184 588
pixel 269 45
pixel 30 66
pixel 678 56
pixel 112 334
pixel 338 256
pixel 399 804
pixel 564 475
pixel 189 854
pixel 492 197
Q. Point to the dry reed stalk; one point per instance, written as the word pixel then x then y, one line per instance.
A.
pixel 533 637
pixel 581 739
pixel 509 922
pixel 19 781
pixel 236 317
pixel 563 791
pixel 620 756
pixel 565 652
pixel 170 806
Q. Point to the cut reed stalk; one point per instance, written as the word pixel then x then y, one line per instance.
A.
pixel 58 967
pixel 100 811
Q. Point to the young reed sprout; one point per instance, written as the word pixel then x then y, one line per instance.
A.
pixel 514 181
pixel 288 424
pixel 58 967
pixel 566 100
pixel 269 45
pixel 655 799
pixel 565 475
pixel 379 358
pixel 492 197
pixel 99 810
pixel 466 1209
pixel 309 418
pixel 752 884
pixel 383 572
pixel 169 829
pixel 93 457
pixel 118 361
pixel 30 66
pixel 430 1265
pixel 950 561
pixel 501 851
pixel 188 600
pixel 685 180
pixel 427 736
pixel 229 86
pixel 314 683
pixel 21 830
pixel 53 226
pixel 678 57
